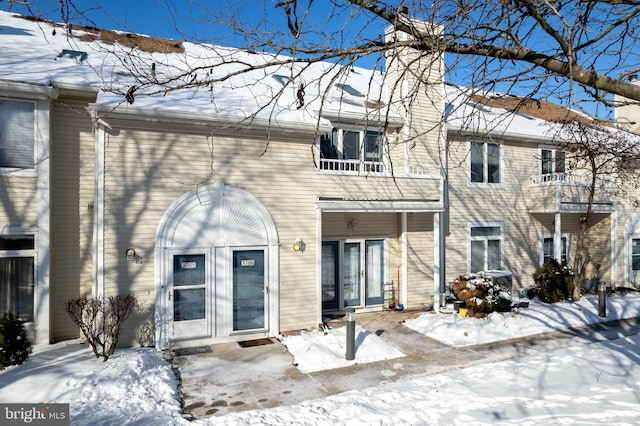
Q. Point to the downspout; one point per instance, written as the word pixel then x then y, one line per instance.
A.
pixel 42 315
pixel 98 210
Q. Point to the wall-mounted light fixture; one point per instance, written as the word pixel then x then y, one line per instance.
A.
pixel 299 246
pixel 131 254
pixel 353 225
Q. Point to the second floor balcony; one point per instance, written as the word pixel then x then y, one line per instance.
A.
pixel 569 192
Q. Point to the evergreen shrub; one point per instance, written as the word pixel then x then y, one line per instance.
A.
pixel 15 347
pixel 553 282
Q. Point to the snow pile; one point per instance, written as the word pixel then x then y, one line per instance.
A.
pixel 538 318
pixel 316 351
pixel 135 386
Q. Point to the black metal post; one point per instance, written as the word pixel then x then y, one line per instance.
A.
pixel 602 299
pixel 351 334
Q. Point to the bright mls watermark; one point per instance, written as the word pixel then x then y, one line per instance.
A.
pixel 34 414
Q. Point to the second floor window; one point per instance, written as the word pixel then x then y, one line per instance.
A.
pixel 485 164
pixel 352 151
pixel 16 135
pixel 552 161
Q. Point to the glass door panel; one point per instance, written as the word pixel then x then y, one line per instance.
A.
pixel 188 287
pixel 374 272
pixel 188 292
pixel 330 276
pixel 248 290
pixel 352 274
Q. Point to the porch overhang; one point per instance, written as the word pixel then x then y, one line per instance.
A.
pixel 341 204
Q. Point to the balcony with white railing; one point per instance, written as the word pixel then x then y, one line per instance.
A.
pixel 355 167
pixel 378 168
pixel 568 192
pixel 578 179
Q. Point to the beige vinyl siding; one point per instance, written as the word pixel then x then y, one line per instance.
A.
pixel 414 81
pixel 18 201
pixel 506 204
pixel 628 113
pixel 147 171
pixel 420 260
pixel 72 171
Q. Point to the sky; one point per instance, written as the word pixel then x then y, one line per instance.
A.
pixel 582 383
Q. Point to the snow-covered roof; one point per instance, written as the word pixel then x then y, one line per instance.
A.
pixel 497 115
pixel 481 113
pixel 242 84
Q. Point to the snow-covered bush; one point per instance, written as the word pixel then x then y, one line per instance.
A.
pixel 15 347
pixel 482 295
pixel 553 282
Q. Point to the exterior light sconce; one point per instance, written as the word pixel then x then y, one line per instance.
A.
pixel 299 246
pixel 131 255
pixel 353 225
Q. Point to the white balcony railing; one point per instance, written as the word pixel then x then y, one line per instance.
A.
pixel 576 179
pixel 375 168
pixel 352 166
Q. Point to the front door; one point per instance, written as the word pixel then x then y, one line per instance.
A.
pixel 249 290
pixel 353 273
pixel 188 295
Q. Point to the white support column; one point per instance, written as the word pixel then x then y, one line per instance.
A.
pixel 438 260
pixel 318 265
pixel 405 255
pixel 614 253
pixel 557 238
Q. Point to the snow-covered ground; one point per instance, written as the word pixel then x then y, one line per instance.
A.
pixel 583 384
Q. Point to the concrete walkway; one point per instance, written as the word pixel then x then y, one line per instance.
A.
pixel 226 378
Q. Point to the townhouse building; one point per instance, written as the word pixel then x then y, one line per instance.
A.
pixel 268 201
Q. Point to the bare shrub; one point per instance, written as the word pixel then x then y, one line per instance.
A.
pixel 100 321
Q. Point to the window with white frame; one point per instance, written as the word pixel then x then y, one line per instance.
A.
pixel 485 162
pixel 16 135
pixel 635 256
pixel 17 270
pixel 552 163
pixel 549 248
pixel 352 150
pixel 485 247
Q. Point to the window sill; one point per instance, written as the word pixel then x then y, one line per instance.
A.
pixel 5 171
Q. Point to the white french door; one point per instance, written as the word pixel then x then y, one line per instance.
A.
pixel 353 273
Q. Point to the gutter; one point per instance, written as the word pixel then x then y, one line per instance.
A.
pixel 499 135
pixel 149 115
